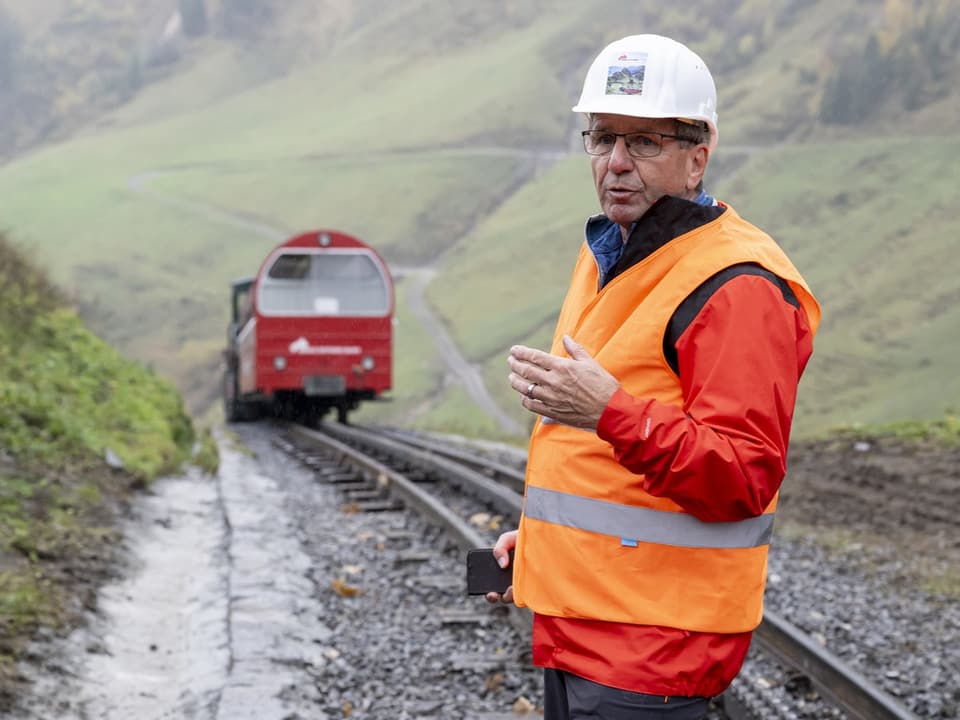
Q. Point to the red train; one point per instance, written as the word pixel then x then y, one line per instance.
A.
pixel 313 331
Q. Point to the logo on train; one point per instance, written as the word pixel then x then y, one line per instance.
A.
pixel 302 346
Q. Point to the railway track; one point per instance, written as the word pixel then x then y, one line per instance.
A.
pixel 842 686
pixel 474 495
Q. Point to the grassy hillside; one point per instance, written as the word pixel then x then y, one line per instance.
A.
pixel 71 411
pixel 884 269
pixel 418 127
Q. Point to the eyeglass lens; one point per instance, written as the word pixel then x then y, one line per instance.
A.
pixel 597 142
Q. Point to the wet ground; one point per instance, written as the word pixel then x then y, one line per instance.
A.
pixel 214 619
pixel 223 608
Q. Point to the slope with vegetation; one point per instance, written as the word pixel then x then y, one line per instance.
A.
pixel 429 130
pixel 63 63
pixel 80 428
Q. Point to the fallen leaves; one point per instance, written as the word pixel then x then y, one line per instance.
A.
pixel 494 682
pixel 343 589
pixel 523 706
pixel 486 520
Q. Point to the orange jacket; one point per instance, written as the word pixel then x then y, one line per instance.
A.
pixel 594 543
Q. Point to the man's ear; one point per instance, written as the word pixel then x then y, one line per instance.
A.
pixel 697 165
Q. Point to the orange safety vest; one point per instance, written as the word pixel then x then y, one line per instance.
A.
pixel 593 543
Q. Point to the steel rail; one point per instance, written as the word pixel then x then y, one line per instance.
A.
pixel 411 493
pixel 834 679
pixel 470 481
pixel 513 477
pixel 423 501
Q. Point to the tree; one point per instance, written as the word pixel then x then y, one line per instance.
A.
pixel 193 13
pixel 858 87
pixel 245 18
pixel 134 78
pixel 9 50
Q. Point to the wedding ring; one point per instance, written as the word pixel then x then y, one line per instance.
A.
pixel 530 388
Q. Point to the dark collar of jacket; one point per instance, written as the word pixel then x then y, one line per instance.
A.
pixel 666 219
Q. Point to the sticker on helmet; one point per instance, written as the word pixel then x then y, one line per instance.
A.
pixel 626 77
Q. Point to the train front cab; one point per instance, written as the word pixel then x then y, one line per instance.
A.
pixel 320 331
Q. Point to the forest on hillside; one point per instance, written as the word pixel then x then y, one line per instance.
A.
pixel 63 65
pixel 906 65
pixel 66 62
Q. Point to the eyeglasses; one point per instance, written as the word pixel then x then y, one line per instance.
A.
pixel 639 144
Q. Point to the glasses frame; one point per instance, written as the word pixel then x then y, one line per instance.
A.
pixel 586 133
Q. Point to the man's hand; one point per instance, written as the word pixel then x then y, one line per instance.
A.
pixel 501 551
pixel 573 391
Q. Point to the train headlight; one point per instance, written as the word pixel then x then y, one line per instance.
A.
pixel 280 363
pixel 368 363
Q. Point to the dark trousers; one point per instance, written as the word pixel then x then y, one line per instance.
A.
pixel 569 697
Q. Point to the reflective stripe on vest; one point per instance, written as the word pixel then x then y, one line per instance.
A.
pixel 632 523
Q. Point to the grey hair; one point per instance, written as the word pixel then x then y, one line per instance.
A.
pixel 693 132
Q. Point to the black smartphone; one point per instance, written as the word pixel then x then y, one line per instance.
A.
pixel 484 575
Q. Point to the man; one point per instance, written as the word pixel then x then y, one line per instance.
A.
pixel 665 408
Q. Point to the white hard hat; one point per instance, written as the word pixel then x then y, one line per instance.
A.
pixel 650 76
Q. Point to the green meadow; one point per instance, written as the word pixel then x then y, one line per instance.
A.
pixel 443 137
pixel 872 224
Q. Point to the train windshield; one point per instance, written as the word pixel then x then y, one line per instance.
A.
pixel 324 283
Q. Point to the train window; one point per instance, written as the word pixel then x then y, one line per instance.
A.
pixel 241 301
pixel 244 307
pixel 290 267
pixel 326 283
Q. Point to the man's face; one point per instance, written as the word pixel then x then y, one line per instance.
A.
pixel 627 186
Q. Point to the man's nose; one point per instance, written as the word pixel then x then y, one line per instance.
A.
pixel 620 160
